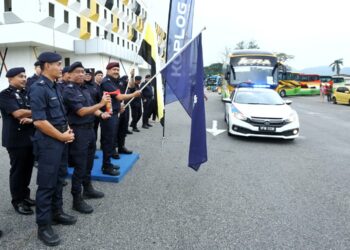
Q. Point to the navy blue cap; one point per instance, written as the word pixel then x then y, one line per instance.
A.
pixel 37 63
pixel 65 69
pixel 88 71
pixel 148 76
pixel 49 57
pixel 138 78
pixel 15 71
pixel 75 65
pixel 98 72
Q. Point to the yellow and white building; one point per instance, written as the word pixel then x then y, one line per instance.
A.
pixel 91 31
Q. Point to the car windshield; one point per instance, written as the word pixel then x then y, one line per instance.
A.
pixel 258 98
pixel 338 80
pixel 254 74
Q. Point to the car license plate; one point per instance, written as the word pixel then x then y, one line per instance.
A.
pixel 267 128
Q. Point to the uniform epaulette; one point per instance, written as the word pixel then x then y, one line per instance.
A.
pixel 42 82
pixel 70 85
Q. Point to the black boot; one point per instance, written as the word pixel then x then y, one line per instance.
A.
pixel 90 193
pixel 47 235
pixel 124 150
pixel 63 218
pixel 80 205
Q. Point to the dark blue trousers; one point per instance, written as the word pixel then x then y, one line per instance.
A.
pixel 21 161
pixel 82 152
pixel 109 130
pixel 52 158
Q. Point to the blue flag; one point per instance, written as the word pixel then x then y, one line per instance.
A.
pixel 185 77
pixel 179 33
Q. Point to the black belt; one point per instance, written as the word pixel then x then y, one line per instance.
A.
pixel 61 128
pixel 85 125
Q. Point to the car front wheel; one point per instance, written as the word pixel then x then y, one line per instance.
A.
pixel 283 93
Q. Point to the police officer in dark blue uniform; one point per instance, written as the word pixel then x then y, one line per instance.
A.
pixel 16 132
pixel 34 77
pixel 64 79
pixel 109 127
pixel 50 146
pixel 147 97
pixel 136 108
pixel 82 111
pixel 123 119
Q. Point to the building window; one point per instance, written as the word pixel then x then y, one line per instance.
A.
pixel 78 1
pixel 66 16
pixel 88 3
pixel 127 45
pixel 111 18
pixel 118 40
pixel 105 14
pixel 123 43
pixel 123 8
pixel 132 46
pixel 66 61
pixel 89 27
pixel 118 22
pixel 97 31
pixel 97 9
pixel 51 10
pixel 127 12
pixel 106 34
pixel 8 5
pixel 136 48
pixel 112 38
pixel 118 3
pixel 123 26
pixel 78 22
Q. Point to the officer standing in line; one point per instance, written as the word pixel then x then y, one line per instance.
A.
pixel 64 78
pixel 123 118
pixel 16 132
pixel 98 77
pixel 50 146
pixel 34 77
pixel 82 111
pixel 136 109
pixel 109 126
pixel 147 96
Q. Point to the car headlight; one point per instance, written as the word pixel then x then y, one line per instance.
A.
pixel 240 116
pixel 292 117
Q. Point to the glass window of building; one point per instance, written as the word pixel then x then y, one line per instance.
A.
pixel 97 31
pixel 8 5
pixel 51 10
pixel 78 22
pixel 66 16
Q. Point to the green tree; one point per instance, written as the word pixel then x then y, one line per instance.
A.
pixel 283 57
pixel 336 66
pixel 213 69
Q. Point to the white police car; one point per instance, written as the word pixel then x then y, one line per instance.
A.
pixel 260 112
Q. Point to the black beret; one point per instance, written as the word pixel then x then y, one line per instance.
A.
pixel 138 78
pixel 88 71
pixel 74 66
pixel 37 63
pixel 49 57
pixel 124 78
pixel 65 69
pixel 112 65
pixel 98 72
pixel 15 71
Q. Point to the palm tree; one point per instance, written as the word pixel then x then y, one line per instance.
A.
pixel 336 65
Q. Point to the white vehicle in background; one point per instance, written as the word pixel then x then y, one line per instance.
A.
pixel 260 112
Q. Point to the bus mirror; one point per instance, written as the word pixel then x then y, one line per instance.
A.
pixel 227 76
pixel 226 100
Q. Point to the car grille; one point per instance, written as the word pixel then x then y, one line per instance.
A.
pixel 264 121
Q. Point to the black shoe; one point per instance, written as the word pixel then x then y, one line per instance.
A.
pixel 149 125
pixel 115 156
pixel 110 170
pixel 80 205
pixel 48 236
pixel 129 132
pixel 22 208
pixel 63 219
pixel 145 126
pixel 124 150
pixel 135 130
pixel 29 202
pixel 0 233
pixel 90 193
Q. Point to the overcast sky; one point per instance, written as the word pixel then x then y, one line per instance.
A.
pixel 316 32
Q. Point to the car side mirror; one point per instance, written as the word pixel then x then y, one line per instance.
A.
pixel 288 102
pixel 226 100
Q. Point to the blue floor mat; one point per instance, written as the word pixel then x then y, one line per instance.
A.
pixel 125 163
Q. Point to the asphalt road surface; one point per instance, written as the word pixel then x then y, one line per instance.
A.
pixel 251 194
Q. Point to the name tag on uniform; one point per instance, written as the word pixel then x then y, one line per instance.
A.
pixel 53 98
pixel 80 95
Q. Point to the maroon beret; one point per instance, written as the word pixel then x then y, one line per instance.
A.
pixel 112 65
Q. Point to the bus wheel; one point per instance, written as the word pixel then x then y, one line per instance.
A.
pixel 334 100
pixel 283 93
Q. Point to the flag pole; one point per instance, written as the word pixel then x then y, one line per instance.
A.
pixel 170 61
